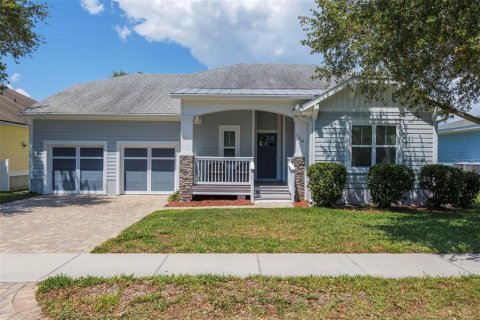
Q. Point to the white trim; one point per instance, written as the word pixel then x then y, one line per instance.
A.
pixel 284 156
pixel 47 160
pixel 221 146
pixel 435 143
pixel 107 116
pixel 121 145
pixel 30 153
pixel 253 133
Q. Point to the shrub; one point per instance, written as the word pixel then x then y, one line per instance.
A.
pixel 388 183
pixel 174 196
pixel 326 182
pixel 470 189
pixel 441 184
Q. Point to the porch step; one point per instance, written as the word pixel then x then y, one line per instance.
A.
pixel 272 192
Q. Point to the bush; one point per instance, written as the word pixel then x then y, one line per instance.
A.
pixel 326 182
pixel 469 190
pixel 388 183
pixel 441 184
pixel 174 196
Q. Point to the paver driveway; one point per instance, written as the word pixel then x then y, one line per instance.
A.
pixel 69 223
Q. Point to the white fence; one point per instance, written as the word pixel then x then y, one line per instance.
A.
pixel 4 176
pixel 467 166
pixel 223 170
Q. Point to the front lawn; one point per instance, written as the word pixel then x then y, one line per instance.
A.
pixel 215 297
pixel 8 196
pixel 310 230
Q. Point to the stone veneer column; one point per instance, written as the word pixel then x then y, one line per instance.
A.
pixel 299 163
pixel 185 177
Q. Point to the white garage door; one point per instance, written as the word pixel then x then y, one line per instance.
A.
pixel 148 170
pixel 77 169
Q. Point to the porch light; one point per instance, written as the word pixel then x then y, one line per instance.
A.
pixel 197 120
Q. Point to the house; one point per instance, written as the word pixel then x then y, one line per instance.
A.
pixel 14 141
pixel 459 143
pixel 245 130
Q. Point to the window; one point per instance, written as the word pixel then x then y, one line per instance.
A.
pixel 77 169
pixel 373 144
pixel 229 145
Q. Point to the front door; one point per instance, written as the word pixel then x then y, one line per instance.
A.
pixel 266 155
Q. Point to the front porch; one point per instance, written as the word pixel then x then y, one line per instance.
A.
pixel 236 177
pixel 245 153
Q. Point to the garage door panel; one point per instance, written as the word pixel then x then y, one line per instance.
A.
pixel 135 174
pixel 64 174
pixel 91 174
pixel 163 175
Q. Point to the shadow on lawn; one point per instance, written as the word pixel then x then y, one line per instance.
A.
pixel 441 231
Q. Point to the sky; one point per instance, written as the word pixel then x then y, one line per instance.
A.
pixel 86 40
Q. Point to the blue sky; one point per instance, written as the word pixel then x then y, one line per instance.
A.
pixel 87 39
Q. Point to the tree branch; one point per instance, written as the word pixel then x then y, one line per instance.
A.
pixel 454 111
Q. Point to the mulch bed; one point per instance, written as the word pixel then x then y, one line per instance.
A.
pixel 301 204
pixel 208 203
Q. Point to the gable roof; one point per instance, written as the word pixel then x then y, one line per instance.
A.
pixel 12 104
pixel 460 125
pixel 151 93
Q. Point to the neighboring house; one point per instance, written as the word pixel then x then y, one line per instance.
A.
pixel 14 141
pixel 459 142
pixel 247 130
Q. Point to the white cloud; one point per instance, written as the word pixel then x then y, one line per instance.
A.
pixel 92 6
pixel 123 32
pixel 22 91
pixel 15 77
pixel 224 32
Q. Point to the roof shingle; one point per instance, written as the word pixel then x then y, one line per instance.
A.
pixel 151 93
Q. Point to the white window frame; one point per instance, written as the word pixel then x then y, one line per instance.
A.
pixel 373 146
pixel 48 146
pixel 149 145
pixel 221 147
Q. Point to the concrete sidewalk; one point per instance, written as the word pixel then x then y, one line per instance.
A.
pixel 36 267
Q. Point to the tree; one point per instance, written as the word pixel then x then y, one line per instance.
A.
pixel 118 73
pixel 18 19
pixel 430 49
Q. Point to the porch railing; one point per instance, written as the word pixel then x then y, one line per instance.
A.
pixel 291 178
pixel 224 170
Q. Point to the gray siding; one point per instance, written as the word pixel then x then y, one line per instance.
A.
pixel 332 135
pixel 206 134
pixel 266 120
pixel 110 131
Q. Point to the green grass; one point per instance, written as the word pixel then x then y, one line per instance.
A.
pixel 215 297
pixel 8 196
pixel 310 230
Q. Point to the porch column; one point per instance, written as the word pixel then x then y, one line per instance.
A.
pixel 300 130
pixel 186 159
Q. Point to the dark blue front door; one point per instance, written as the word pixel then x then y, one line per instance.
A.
pixel 266 155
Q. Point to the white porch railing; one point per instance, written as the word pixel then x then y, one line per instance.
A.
pixel 224 170
pixel 291 178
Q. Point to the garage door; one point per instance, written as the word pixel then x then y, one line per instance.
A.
pixel 148 170
pixel 77 169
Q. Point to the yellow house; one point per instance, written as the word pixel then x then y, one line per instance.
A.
pixel 14 141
